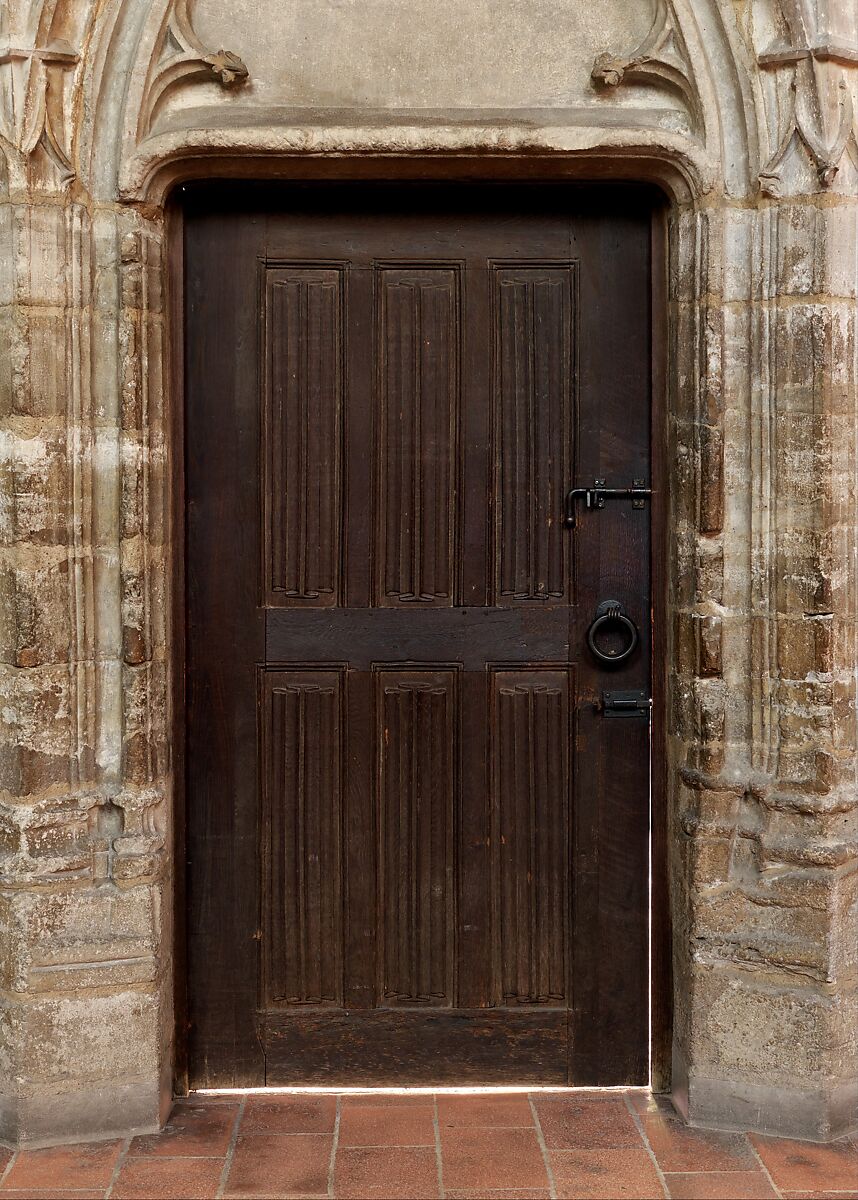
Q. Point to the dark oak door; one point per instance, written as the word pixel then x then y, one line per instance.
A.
pixel 417 849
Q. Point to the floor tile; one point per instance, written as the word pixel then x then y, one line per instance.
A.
pixel 820 1195
pixel 720 1185
pixel 497 1194
pixel 605 1175
pixel 53 1194
pixel 369 1098
pixel 489 1112
pixel 194 1129
pixel 479 1158
pixel 87 1165
pixel 680 1148
pixel 587 1125
pixel 809 1166
pixel 388 1125
pixel 384 1171
pixel 280 1165
pixel 289 1114
pixel 153 1178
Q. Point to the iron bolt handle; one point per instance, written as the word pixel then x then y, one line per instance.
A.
pixel 595 497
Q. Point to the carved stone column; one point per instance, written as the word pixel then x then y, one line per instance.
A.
pixel 82 981
pixel 765 691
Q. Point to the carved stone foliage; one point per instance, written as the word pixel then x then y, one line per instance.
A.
pixel 181 58
pixel 661 60
pixel 33 117
pixel 815 72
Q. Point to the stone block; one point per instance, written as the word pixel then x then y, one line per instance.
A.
pixel 36 729
pixel 88 1037
pixel 736 366
pixel 710 572
pixel 83 1067
pixel 740 271
pixel 805 567
pixel 711 450
pixel 744 1025
pixel 144 743
pixel 35 601
pixel 40 237
pixel 118 1108
pixel 712 384
pixel 817 250
pixel 39 383
pixel 805 646
pixel 769 1057
pixel 35 468
pixel 80 938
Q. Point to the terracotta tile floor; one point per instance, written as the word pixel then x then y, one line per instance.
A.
pixel 485 1147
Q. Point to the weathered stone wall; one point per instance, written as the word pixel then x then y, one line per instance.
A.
pixel 765 655
pixel 746 113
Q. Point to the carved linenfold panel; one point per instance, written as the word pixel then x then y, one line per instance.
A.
pixel 531 816
pixel 182 59
pixel 418 367
pixel 302 819
pixel 304 422
pixel 417 780
pixel 661 60
pixel 534 428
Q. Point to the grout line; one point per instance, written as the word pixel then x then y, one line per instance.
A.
pixel 12 1157
pixel 751 1170
pixel 261 1133
pixel 764 1168
pixel 230 1150
pixel 636 1117
pixel 546 1158
pixel 334 1147
pixel 120 1163
pixel 438 1160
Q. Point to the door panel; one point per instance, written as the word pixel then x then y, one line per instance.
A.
pixel 417 850
pixel 531 737
pixel 416 752
pixel 302 818
pixel 417 365
pixel 303 437
pixel 535 397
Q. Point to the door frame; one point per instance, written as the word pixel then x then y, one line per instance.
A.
pixel 414 170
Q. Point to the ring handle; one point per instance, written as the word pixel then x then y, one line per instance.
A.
pixel 610 612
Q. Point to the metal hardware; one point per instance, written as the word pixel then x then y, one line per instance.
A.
pixel 595 497
pixel 611 612
pixel 626 704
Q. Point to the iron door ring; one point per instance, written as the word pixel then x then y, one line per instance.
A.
pixel 611 613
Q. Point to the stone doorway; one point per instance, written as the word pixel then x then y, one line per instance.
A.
pixel 742 114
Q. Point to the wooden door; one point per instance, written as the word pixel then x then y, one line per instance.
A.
pixel 417 845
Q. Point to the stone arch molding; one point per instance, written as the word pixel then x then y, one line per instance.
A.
pixel 158 96
pixel 768 96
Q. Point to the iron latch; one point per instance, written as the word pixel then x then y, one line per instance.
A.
pixel 595 497
pixel 626 704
